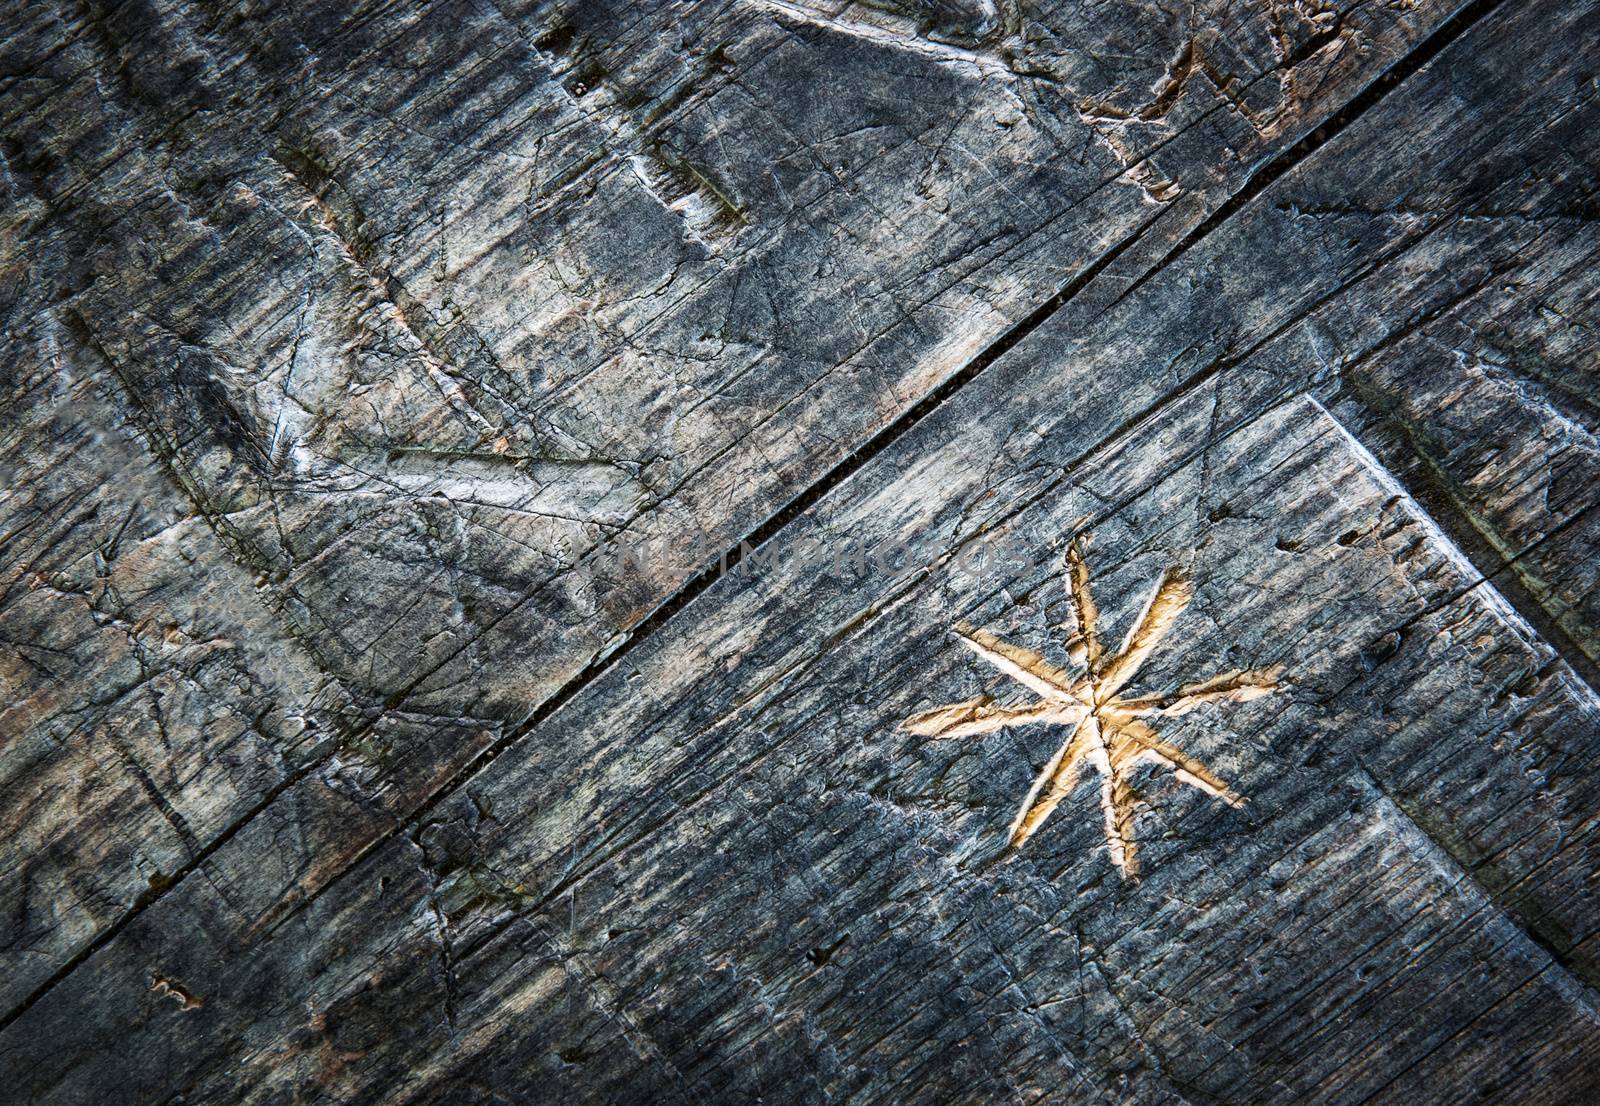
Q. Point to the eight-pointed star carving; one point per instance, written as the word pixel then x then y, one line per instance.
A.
pixel 1107 730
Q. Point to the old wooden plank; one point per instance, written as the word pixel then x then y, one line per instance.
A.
pixel 601 830
pixel 147 696
pixel 733 1009
pixel 362 413
pixel 323 399
pixel 742 764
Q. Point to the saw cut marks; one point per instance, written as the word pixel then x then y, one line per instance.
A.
pixel 1107 730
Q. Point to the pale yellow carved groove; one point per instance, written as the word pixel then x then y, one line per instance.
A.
pixel 1106 730
pixel 170 988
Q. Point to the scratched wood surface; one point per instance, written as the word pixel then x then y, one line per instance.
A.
pixel 348 758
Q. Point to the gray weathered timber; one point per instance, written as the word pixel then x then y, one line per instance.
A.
pixel 368 373
pixel 348 418
pixel 1354 405
pixel 145 703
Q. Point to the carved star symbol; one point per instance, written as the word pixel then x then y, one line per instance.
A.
pixel 1107 730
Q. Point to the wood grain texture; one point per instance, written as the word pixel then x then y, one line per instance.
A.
pixel 348 761
pixel 337 429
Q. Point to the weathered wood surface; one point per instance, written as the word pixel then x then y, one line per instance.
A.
pixel 345 351
pixel 341 423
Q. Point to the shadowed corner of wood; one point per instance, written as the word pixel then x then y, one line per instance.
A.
pixel 1106 730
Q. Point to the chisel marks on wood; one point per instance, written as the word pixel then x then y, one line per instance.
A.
pixel 1111 123
pixel 1108 731
pixel 177 992
pixel 1142 171
pixel 1484 580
